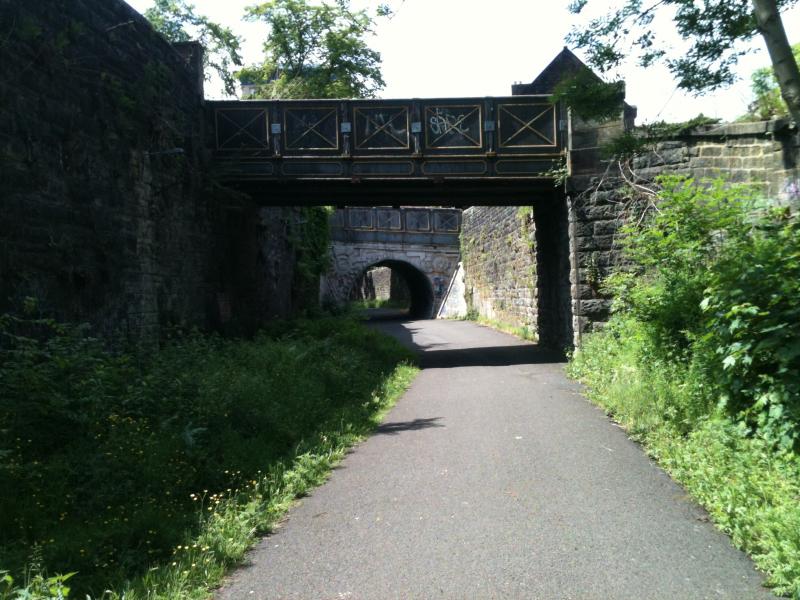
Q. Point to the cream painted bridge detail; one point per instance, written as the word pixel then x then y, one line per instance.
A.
pixel 419 243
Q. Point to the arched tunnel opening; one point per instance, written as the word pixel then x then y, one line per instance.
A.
pixel 398 286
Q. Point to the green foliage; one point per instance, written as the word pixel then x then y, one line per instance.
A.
pixel 750 492
pixel 717 284
pixel 36 587
pixel 177 21
pixel 314 51
pixel 310 235
pixel 380 303
pixel 713 30
pixel 672 247
pixel 159 469
pixel 644 138
pixel 472 314
pixel 589 96
pixel 753 326
pixel 768 102
pixel 524 332
pixel 525 215
pixel 701 359
pixel 628 374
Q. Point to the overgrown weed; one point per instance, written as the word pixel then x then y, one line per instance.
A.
pixel 701 360
pixel 150 475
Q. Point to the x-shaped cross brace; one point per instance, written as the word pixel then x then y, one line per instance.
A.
pixel 527 125
pixel 311 129
pixel 242 129
pixel 453 127
pixel 383 128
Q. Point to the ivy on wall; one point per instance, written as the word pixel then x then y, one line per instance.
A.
pixel 310 236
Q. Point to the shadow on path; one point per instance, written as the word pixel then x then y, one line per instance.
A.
pixel 416 424
pixel 438 356
pixel 497 356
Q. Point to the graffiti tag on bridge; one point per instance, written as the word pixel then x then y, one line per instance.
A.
pixel 453 126
pixel 442 121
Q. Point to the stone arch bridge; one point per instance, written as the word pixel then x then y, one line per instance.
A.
pixel 421 244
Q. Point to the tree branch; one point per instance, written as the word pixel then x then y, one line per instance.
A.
pixel 780 52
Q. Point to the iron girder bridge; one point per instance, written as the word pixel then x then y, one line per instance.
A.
pixel 403 146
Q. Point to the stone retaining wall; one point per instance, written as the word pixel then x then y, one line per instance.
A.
pixel 764 154
pixel 107 214
pixel 498 252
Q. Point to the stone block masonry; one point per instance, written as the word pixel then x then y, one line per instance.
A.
pixel 763 154
pixel 425 268
pixel 498 252
pixel 516 266
pixel 516 271
pixel 106 213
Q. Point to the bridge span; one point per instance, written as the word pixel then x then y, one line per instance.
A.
pixel 406 151
pixel 375 156
pixel 421 244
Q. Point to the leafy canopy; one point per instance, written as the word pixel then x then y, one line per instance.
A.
pixel 768 102
pixel 171 18
pixel 315 51
pixel 713 29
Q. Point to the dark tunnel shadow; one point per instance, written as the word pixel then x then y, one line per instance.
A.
pixel 420 289
pixel 385 314
pixel 430 357
pixel 493 356
pixel 415 425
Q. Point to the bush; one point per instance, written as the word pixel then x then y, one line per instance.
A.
pixel 714 286
pixel 701 359
pixel 752 328
pixel 671 249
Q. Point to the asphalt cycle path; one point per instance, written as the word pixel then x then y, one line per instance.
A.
pixel 493 477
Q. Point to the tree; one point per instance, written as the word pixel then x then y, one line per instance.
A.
pixel 714 30
pixel 767 101
pixel 315 51
pixel 172 17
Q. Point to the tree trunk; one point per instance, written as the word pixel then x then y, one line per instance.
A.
pixel 780 52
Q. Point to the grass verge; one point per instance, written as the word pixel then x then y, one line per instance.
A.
pixel 523 332
pixel 151 475
pixel 236 522
pixel 751 491
pixel 379 303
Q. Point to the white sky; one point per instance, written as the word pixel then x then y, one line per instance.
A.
pixel 441 48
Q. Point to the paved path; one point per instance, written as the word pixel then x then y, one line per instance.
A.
pixel 494 478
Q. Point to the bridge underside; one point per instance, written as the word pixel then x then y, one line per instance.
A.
pixel 461 193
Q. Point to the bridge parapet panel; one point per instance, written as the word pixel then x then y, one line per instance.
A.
pixel 433 226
